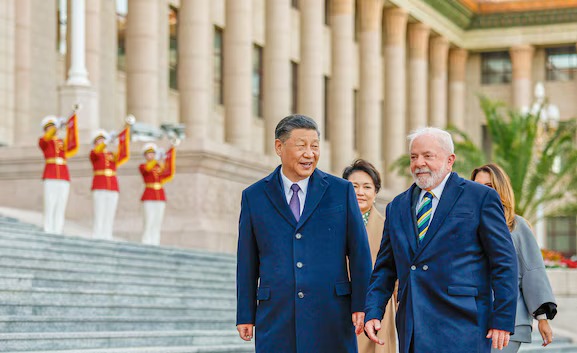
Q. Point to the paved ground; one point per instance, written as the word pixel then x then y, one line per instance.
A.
pixel 565 323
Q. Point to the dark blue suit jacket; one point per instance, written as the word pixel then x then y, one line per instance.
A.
pixel 302 309
pixel 446 283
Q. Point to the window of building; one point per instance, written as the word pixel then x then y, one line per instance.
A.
pixel 295 4
pixel 357 20
pixel 121 12
pixel 61 29
pixel 218 66
pixel 294 86
pixel 173 49
pixel 560 63
pixel 496 68
pixel 328 12
pixel 257 81
pixel 326 101
pixel 562 234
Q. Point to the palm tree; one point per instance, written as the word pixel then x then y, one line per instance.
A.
pixel 541 160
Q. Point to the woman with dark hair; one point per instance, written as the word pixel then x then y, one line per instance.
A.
pixel 367 183
pixel 535 298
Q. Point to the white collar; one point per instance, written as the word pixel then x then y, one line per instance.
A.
pixel 303 184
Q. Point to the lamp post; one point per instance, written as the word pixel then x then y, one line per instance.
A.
pixel 548 121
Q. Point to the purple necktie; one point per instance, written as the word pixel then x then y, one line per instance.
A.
pixel 295 204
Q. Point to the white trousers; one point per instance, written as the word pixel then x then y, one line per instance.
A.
pixel 55 200
pixel 104 204
pixel 153 215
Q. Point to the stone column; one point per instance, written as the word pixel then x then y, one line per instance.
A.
pixel 36 78
pixel 438 82
pixel 394 123
pixel 457 70
pixel 341 97
pixel 238 73
pixel 23 75
pixel 418 75
pixel 93 14
pixel 78 75
pixel 310 98
pixel 370 93
pixel 106 81
pixel 142 68
pixel 78 88
pixel 194 66
pixel 7 76
pixel 521 60
pixel 163 61
pixel 276 68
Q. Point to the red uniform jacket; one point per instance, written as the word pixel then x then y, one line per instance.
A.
pixel 104 166
pixel 55 158
pixel 153 180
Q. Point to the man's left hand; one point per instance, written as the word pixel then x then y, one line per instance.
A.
pixel 500 338
pixel 359 322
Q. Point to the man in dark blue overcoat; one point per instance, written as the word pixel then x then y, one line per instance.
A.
pixel 298 226
pixel 445 239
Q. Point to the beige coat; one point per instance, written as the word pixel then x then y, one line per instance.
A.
pixel 387 333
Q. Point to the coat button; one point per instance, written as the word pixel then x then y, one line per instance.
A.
pixel 298 235
pixel 299 264
pixel 301 295
pixel 413 267
pixel 425 267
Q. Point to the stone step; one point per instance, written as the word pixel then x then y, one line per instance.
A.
pixel 200 321
pixel 245 347
pixel 109 256
pixel 9 222
pixel 24 342
pixel 552 348
pixel 103 261
pixel 42 266
pixel 103 282
pixel 45 296
pixel 122 246
pixel 132 310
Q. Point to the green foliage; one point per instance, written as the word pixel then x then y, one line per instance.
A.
pixel 541 161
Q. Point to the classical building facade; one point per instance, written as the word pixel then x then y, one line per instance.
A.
pixel 368 71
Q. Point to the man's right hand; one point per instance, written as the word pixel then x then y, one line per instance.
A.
pixel 245 331
pixel 371 328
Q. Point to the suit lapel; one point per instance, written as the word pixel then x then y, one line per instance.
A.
pixel 315 192
pixel 408 216
pixel 450 195
pixel 275 193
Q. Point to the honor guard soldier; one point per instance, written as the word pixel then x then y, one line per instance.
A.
pixel 155 175
pixel 104 183
pixel 56 177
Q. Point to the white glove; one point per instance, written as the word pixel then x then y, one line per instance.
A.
pixel 61 122
pixel 160 154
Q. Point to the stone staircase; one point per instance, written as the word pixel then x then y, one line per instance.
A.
pixel 68 294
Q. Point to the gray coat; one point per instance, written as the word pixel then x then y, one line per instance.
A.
pixel 534 286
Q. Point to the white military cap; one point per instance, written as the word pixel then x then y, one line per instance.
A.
pixel 149 147
pixel 49 120
pixel 100 133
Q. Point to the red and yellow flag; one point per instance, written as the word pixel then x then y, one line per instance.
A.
pixel 123 154
pixel 71 142
pixel 169 165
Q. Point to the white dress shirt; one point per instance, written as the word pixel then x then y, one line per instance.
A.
pixel 302 194
pixel 437 192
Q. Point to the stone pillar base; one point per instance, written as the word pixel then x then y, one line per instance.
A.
pixel 88 115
